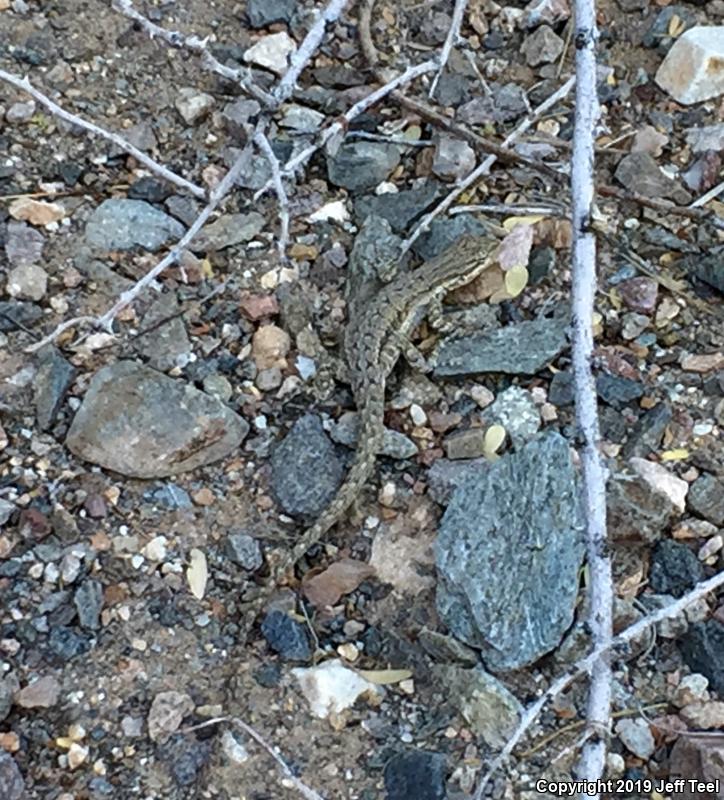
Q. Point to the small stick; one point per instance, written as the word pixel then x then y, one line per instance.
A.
pixel 263 143
pixel 24 85
pixel 453 35
pixel 307 49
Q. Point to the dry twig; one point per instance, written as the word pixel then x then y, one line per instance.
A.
pixel 24 85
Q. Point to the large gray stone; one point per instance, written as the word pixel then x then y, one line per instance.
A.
pixel 124 224
pixel 508 554
pixel 143 424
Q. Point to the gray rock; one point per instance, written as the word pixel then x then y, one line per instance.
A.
pixel 358 166
pixel 9 685
pixel 193 105
pixel 239 117
pixel 15 314
pixel 709 269
pixel 12 783
pixel 637 737
pixel 445 648
pixel 706 498
pixel 399 209
pixel 88 600
pixel 561 391
pixel 674 569
pixel 394 443
pixel 27 282
pixel 265 12
pixel 659 33
pixel 228 230
pixel 302 119
pixel 6 509
pixel 542 46
pixel 636 513
pixel 706 138
pixel 703 650
pixel 453 158
pixel 243 550
pixel 521 349
pixel 124 224
pixel 66 643
pixel 170 496
pixel 23 244
pixel 305 469
pixel 444 476
pixel 416 775
pixel 465 444
pixel 639 172
pixel 286 636
pixel 484 703
pixel 646 435
pixel 136 421
pixel 617 391
pixel 166 345
pixel 522 515
pixel 517 412
pixel 52 380
pixel 185 756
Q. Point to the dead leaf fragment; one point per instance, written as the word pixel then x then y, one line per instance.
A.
pixel 197 573
pixel 383 677
pixel 36 212
pixel 514 250
pixel 342 577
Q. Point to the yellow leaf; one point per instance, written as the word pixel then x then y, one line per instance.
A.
pixel 381 677
pixel 597 323
pixel 615 299
pixel 197 573
pixel 206 269
pixel 494 437
pixel 678 454
pixel 516 279
pixel 513 222
pixel 412 133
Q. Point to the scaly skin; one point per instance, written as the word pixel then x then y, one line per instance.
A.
pixel 375 338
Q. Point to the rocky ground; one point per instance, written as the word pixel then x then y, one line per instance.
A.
pixel 145 477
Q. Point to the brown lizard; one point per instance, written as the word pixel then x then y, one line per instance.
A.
pixel 376 336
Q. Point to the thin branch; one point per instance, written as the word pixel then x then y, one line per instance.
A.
pixel 484 168
pixel 24 85
pixel 307 49
pixel 106 320
pixel 263 144
pixel 710 195
pixel 453 35
pixel 340 125
pixel 503 208
pixel 665 206
pixel 583 257
pixel 176 39
pixel 561 683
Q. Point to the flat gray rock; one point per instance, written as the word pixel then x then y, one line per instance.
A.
pixel 521 349
pixel 52 380
pixel 141 423
pixel 508 554
pixel 358 166
pixel 124 224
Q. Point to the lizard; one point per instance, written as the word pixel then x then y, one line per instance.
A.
pixel 377 335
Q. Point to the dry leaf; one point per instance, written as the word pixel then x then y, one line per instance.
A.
pixel 675 455
pixel 516 279
pixel 382 677
pixel 514 250
pixel 512 222
pixel 197 573
pixel 494 438
pixel 342 577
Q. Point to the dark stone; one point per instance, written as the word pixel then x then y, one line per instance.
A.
pixel 640 173
pixel 265 12
pixel 636 513
pixel 541 262
pixel 70 172
pixel 268 675
pixel 14 314
pixel 305 469
pixel 494 41
pixel 521 349
pixel 244 550
pixel 358 166
pixel 618 391
pixel 658 35
pixel 709 268
pixel 706 498
pixel 88 599
pixel 401 209
pixel 508 553
pixel 52 381
pixel 286 636
pixel 647 433
pixel 416 775
pixel 149 189
pixel 185 757
pixel 561 392
pixel 444 233
pixel 67 643
pixel 12 784
pixel 702 647
pixel 170 496
pixel 674 569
